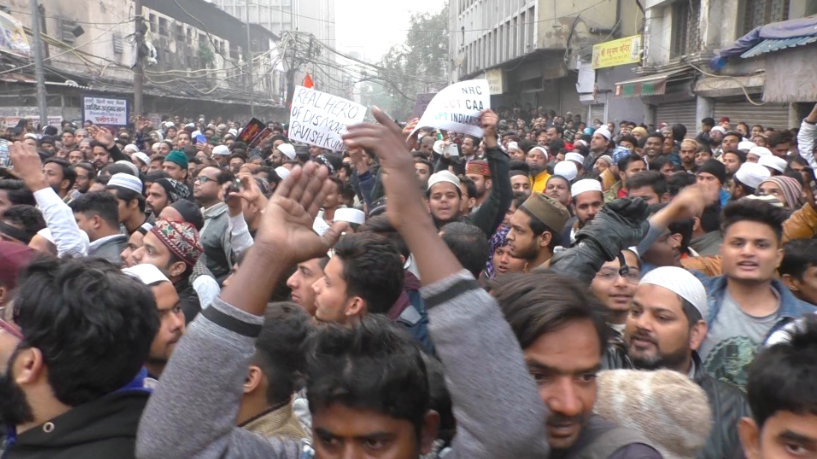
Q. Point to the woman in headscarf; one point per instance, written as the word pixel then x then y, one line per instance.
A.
pixel 501 261
pixel 786 189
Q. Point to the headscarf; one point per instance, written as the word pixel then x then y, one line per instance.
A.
pixel 499 239
pixel 792 191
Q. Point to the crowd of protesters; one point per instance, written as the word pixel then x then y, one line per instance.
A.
pixel 550 289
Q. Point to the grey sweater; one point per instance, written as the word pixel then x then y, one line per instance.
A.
pixel 498 410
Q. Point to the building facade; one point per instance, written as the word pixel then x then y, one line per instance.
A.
pixel 536 48
pixel 676 83
pixel 195 60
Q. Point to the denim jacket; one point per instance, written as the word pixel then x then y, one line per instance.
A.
pixel 790 307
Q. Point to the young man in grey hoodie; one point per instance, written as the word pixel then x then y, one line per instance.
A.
pixel 498 412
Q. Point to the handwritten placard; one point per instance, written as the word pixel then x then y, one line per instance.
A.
pixel 320 119
pixel 456 108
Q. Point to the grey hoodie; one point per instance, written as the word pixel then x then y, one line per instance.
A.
pixel 498 411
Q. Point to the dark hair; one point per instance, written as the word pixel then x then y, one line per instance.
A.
pixel 239 155
pixel 781 377
pixel 692 313
pixel 95 144
pixel 155 176
pixel 734 134
pixel 28 218
pixel 101 203
pixel 440 398
pixel 684 228
pixel 469 244
pixel 741 155
pixel 779 137
pixel 654 135
pixel 225 176
pixel 559 129
pixel 624 162
pixel 88 168
pixel 540 303
pixel 538 228
pixel 628 138
pixel 799 255
pixel 708 122
pixel 280 350
pixel 157 157
pixel 427 163
pixel 371 366
pixel 679 131
pixel 659 162
pixel 93 324
pixel 17 192
pixel 476 140
pixel 372 270
pixel 652 179
pixel 381 225
pixel 678 181
pixel 519 198
pixel 68 172
pixel 113 169
pixel 557 146
pixel 128 196
pixel 338 182
pixel 470 186
pixel 755 211
pixel 520 166
pixel 711 218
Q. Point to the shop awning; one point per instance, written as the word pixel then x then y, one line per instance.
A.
pixel 767 46
pixel 650 85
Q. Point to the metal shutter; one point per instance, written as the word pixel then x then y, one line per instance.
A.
pixel 596 111
pixel 739 109
pixel 568 96
pixel 678 112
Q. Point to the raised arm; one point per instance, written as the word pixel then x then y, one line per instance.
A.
pixel 491 213
pixel 497 408
pixel 805 137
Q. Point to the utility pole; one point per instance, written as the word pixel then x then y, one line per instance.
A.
pixel 38 62
pixel 249 62
pixel 138 68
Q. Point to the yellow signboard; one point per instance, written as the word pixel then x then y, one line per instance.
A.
pixel 617 52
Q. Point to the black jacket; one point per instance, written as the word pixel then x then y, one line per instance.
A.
pixel 728 405
pixel 102 429
pixel 615 356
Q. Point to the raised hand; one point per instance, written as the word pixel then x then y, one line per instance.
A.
pixel 27 166
pixel 101 135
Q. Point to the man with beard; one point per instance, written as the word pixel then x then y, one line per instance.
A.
pixel 664 330
pixel 423 168
pixel 537 161
pixel 599 145
pixel 171 317
pixel 588 199
pixel 174 248
pixel 60 176
pixel 715 138
pixel 176 166
pixel 563 334
pixel 164 192
pixel 470 144
pixel 534 233
pixel 72 380
pixel 444 192
pixel 479 173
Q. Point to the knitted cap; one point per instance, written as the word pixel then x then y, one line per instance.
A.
pixel 174 189
pixel 478 167
pixel 607 159
pixel 177 157
pixel 181 238
pixel 792 190
pixel 716 168
pixel 549 211
pixel 665 406
pixel 142 157
pixel 126 182
pixel 640 131
pixel 682 283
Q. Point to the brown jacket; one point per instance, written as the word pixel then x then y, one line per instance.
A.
pixel 279 423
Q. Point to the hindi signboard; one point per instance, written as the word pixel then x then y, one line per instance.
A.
pixel 320 119
pixel 457 107
pixel 617 52
pixel 105 111
pixel 421 104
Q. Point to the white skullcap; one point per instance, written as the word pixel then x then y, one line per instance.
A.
pixel 580 142
pixel 233 132
pixel 351 215
pixel 681 282
pixel 130 166
pixel 718 129
pixel 31 136
pixel 169 125
pixel 760 151
pixel 604 131
pixel 438 147
pixel 778 164
pixel 148 274
pixel 443 176
pixel 542 149
pixel 566 169
pixel 575 157
pixel 221 150
pixel 585 185
pixel 130 148
pixel 287 150
pixel 142 157
pixel 282 172
pixel 126 181
pixel 752 174
pixel 513 146
pixel 190 125
pixel 746 145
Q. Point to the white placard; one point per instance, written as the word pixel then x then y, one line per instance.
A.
pixel 105 111
pixel 456 108
pixel 320 119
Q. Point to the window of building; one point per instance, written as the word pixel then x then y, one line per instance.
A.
pixel 189 38
pixel 163 31
pixel 761 12
pixel 118 46
pixel 179 32
pixel 152 23
pixel 686 36
pixel 530 42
